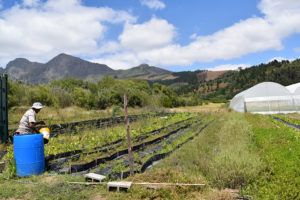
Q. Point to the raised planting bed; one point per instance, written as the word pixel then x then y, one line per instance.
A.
pixel 90 140
pixel 111 152
pixel 119 142
pixel 146 152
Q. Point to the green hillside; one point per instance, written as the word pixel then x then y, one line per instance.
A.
pixel 142 71
pixel 233 82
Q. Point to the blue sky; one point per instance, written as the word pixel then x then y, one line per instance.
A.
pixel 173 34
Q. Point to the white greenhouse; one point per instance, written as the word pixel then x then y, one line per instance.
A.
pixel 295 91
pixel 266 98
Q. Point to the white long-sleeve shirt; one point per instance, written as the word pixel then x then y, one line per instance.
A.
pixel 28 117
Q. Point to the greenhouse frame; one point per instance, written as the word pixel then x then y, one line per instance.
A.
pixel 268 98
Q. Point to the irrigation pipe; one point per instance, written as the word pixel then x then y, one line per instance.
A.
pixel 171 184
pixel 142 183
pixel 98 183
pixel 84 183
pixel 18 181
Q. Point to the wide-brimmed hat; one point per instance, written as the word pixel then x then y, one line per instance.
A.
pixel 37 105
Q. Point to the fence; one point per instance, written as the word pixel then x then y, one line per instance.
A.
pixel 3 109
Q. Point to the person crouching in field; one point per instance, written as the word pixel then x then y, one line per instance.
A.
pixel 28 122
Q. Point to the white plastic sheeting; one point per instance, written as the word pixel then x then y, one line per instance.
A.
pixel 295 90
pixel 266 98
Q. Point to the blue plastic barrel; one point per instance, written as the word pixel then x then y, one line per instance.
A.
pixel 29 154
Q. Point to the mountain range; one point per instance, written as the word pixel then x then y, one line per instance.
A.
pixel 218 85
pixel 64 66
pixel 59 67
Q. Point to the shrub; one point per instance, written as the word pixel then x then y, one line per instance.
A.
pixel 80 97
pixel 63 97
pixel 41 94
pixel 166 101
pixel 102 99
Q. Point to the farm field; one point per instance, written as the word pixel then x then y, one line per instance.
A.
pixel 233 154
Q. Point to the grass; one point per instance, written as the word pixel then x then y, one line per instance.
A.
pixel 279 146
pixel 46 187
pixel 205 108
pixel 221 153
pixel 294 116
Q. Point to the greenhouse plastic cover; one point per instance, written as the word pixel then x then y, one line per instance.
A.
pixel 295 88
pixel 266 98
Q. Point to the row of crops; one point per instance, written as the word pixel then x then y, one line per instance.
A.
pixel 74 127
pixel 104 150
pixel 290 120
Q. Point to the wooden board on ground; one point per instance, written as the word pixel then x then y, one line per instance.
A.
pixel 118 186
pixel 94 177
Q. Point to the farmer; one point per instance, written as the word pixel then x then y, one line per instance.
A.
pixel 28 122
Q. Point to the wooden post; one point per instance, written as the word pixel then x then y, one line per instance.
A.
pixel 128 136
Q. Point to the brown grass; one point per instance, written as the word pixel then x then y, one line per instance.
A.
pixel 293 116
pixel 209 108
pixel 98 197
pixel 226 194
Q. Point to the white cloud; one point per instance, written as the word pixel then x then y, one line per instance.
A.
pixel 194 36
pixel 279 59
pixel 154 34
pixel 153 4
pixel 120 61
pixel 109 47
pixel 55 26
pixel 252 35
pixel 45 29
pixel 229 67
pixel 31 3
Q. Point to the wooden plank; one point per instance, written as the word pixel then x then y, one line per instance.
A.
pixel 118 185
pixel 93 177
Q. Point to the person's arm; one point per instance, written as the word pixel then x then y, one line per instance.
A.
pixel 40 122
pixel 32 126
